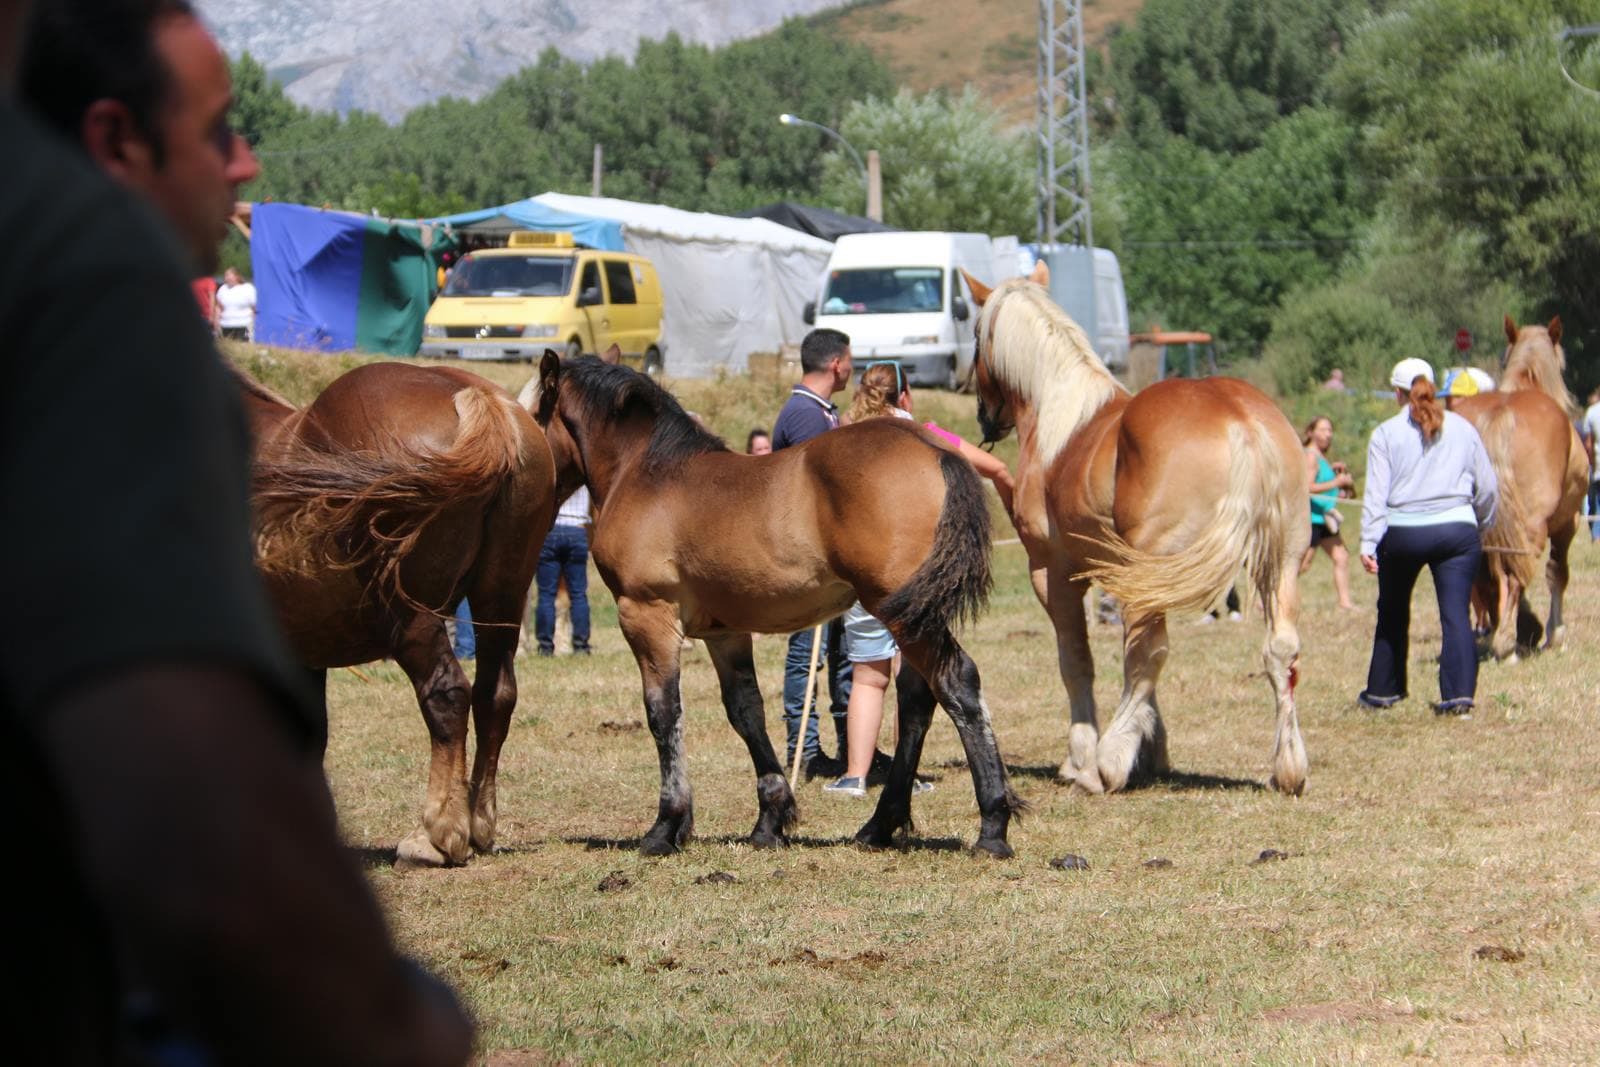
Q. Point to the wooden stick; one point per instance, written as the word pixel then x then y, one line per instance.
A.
pixel 805 709
pixel 357 672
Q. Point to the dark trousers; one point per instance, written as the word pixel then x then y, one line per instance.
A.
pixel 1450 551
pixel 565 554
pixel 832 667
pixel 1594 510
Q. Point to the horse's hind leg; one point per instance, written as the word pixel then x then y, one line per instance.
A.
pixel 494 698
pixel 914 699
pixel 1282 655
pixel 741 697
pixel 953 679
pixel 1508 596
pixel 441 688
pixel 651 629
pixel 1135 729
pixel 1556 573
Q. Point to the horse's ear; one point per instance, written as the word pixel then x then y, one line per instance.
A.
pixel 1555 330
pixel 612 354
pixel 1041 274
pixel 980 292
pixel 1511 330
pixel 549 386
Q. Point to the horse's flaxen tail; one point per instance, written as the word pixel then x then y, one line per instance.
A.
pixel 318 509
pixel 952 584
pixel 1509 544
pixel 1250 530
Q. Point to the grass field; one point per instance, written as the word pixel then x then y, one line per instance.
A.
pixel 1439 897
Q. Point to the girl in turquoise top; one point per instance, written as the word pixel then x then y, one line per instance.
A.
pixel 1327 478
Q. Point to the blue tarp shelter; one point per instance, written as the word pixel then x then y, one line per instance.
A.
pixel 531 215
pixel 333 281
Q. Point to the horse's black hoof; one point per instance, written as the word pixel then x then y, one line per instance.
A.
pixel 873 839
pixel 661 843
pixel 995 847
pixel 765 841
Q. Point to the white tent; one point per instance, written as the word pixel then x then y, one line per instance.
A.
pixel 731 286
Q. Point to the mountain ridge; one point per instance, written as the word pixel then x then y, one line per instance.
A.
pixel 370 55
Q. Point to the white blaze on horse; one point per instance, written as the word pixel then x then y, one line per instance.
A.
pixel 1543 471
pixel 1160 497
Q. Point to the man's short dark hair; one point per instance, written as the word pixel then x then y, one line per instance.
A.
pixel 821 345
pixel 80 51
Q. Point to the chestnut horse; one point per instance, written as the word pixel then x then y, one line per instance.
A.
pixel 1161 498
pixel 1543 472
pixel 395 492
pixel 693 539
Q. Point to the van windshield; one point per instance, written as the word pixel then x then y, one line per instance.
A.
pixel 510 276
pixel 883 291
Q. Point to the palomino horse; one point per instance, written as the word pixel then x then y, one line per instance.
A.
pixel 1543 472
pixel 1160 497
pixel 693 539
pixel 396 491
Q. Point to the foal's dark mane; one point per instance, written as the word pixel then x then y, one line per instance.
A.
pixel 605 392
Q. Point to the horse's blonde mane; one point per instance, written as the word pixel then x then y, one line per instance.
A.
pixel 1040 353
pixel 1529 367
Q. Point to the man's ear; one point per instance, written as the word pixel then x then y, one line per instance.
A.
pixel 115 143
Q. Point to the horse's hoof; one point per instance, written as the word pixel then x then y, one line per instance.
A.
pixel 658 845
pixel 1292 789
pixel 994 847
pixel 416 852
pixel 765 841
pixel 873 839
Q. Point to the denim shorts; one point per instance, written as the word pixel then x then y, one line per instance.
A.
pixel 866 639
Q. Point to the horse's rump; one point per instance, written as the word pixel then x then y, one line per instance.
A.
pixel 1528 441
pixel 953 583
pixel 1250 524
pixel 334 508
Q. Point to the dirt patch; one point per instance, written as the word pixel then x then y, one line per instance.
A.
pixel 716 878
pixel 1269 855
pixel 618 726
pixel 613 882
pixel 869 960
pixel 1499 954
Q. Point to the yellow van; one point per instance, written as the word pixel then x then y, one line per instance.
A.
pixel 541 291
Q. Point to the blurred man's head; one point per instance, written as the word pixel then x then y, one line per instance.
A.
pixel 141 86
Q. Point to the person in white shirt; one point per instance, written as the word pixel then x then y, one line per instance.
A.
pixel 234 311
pixel 1591 437
pixel 565 554
pixel 1430 490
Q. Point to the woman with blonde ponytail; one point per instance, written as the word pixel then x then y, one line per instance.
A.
pixel 1430 491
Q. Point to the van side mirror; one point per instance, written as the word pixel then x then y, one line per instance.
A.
pixel 959 309
pixel 589 297
pixel 809 313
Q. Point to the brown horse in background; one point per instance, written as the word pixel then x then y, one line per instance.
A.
pixel 1160 497
pixel 1543 473
pixel 693 539
pixel 396 492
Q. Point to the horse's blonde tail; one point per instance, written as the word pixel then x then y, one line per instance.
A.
pixel 1510 543
pixel 341 509
pixel 1250 531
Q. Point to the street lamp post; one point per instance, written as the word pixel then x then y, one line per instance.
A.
pixel 874 211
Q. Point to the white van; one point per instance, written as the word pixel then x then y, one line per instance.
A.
pixel 1105 318
pixel 901 296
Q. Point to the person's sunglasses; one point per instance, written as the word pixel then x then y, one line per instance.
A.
pixel 899 374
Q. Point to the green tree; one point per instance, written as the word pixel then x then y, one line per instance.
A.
pixel 946 165
pixel 1221 74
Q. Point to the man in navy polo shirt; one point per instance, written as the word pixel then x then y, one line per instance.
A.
pixel 825 365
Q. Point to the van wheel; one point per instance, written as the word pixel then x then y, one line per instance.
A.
pixel 652 361
pixel 574 348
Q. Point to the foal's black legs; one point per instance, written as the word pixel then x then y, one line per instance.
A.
pixel 651 628
pixel 741 697
pixel 947 674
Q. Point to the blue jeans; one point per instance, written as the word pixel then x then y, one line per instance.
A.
pixel 565 554
pixel 1451 551
pixel 836 667
pixel 466 640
